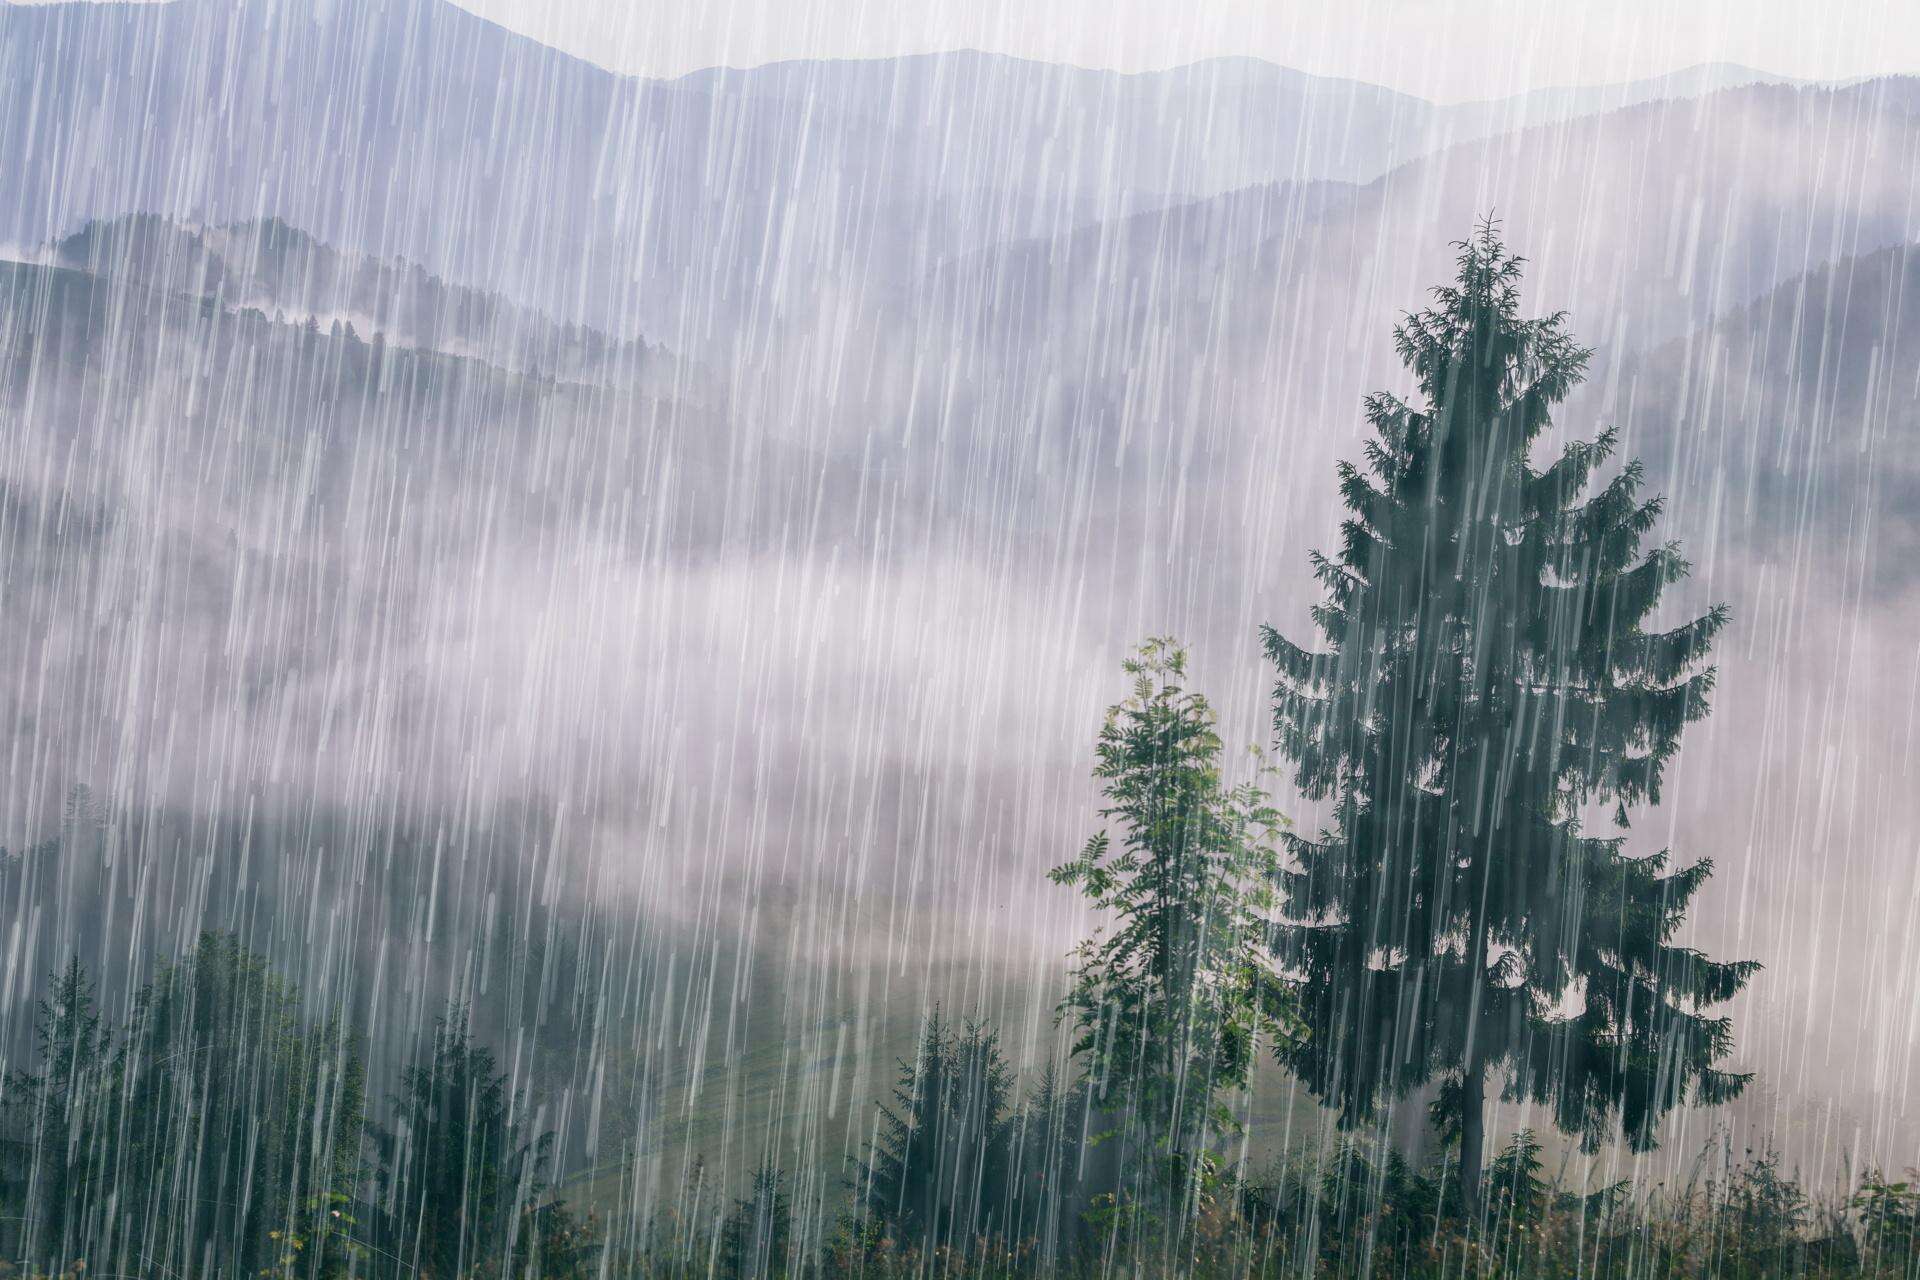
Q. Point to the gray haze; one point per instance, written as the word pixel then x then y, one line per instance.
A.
pixel 448 490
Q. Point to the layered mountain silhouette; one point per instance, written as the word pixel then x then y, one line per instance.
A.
pixel 281 271
pixel 688 210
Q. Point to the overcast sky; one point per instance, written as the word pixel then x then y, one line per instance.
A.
pixel 1444 49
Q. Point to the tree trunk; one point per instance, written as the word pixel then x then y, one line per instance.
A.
pixel 1473 1133
pixel 1473 1084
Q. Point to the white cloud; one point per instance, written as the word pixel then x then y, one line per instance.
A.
pixel 1445 49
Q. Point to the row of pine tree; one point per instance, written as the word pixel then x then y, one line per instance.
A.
pixel 220 1132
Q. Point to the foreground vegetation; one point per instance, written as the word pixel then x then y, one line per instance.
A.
pixel 1356 1212
pixel 218 1132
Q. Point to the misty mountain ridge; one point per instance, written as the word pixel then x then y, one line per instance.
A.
pixel 1599 235
pixel 492 160
pixel 285 273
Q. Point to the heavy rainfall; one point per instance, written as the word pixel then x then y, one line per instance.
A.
pixel 876 656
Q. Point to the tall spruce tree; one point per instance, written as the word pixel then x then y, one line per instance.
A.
pixel 1486 678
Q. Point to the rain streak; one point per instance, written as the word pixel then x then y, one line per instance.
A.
pixel 947 664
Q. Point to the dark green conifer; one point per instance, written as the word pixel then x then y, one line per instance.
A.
pixel 62 1117
pixel 465 1174
pixel 757 1237
pixel 938 1172
pixel 1489 676
pixel 237 1126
